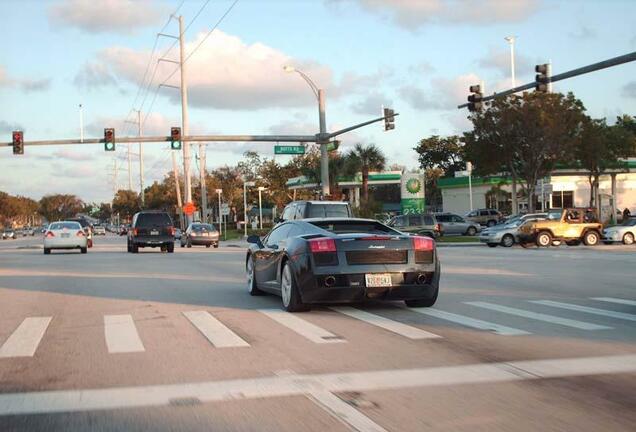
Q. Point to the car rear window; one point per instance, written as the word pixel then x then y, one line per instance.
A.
pixel 428 220
pixel 203 227
pixel 351 227
pixel 67 225
pixel 328 210
pixel 153 219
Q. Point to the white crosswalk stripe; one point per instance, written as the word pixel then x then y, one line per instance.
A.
pixel 539 316
pixel 214 330
pixel 615 300
pixel 24 341
pixel 302 327
pixel 471 322
pixel 385 323
pixel 121 334
pixel 586 309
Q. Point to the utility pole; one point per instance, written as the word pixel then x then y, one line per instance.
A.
pixel 129 168
pixel 175 171
pixel 204 190
pixel 185 130
pixel 324 153
pixel 141 159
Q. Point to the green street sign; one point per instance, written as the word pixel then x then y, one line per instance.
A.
pixel 289 150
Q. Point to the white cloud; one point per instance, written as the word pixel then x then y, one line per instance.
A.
pixel 445 94
pixel 227 73
pixel 94 75
pixel 118 16
pixel 6 127
pixel 412 14
pixel 371 104
pixel 629 90
pixel 26 84
pixel 499 59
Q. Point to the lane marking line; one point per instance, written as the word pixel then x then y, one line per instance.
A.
pixel 615 300
pixel 214 330
pixel 121 334
pixel 24 340
pixel 344 412
pixel 539 316
pixel 302 327
pixel 586 309
pixel 385 323
pixel 216 391
pixel 470 322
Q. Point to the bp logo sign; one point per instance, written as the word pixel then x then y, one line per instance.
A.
pixel 413 185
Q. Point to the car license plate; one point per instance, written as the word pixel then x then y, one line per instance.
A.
pixel 65 235
pixel 154 232
pixel 378 280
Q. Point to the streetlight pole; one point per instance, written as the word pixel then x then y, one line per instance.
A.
pixel 185 130
pixel 469 168
pixel 260 207
pixel 511 41
pixel 220 218
pixel 245 185
pixel 324 153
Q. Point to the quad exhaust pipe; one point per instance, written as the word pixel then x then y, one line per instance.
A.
pixel 421 279
pixel 330 281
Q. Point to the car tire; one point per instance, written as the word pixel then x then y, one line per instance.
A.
pixel 181 243
pixel 134 248
pixel 216 245
pixel 628 239
pixel 491 223
pixel 289 291
pixel 508 240
pixel 208 245
pixel 422 302
pixel 170 247
pixel 189 244
pixel 251 279
pixel 591 238
pixel 47 251
pixel 84 250
pixel 492 245
pixel 544 239
pixel 471 231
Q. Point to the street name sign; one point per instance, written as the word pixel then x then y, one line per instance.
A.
pixel 293 150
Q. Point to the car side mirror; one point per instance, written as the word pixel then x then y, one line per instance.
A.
pixel 254 239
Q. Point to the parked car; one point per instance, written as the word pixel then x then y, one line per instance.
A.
pixel 625 232
pixel 29 231
pixel 507 234
pixel 99 230
pixel 297 210
pixel 455 224
pixel 200 234
pixel 421 224
pixel 65 235
pixel 487 217
pixel 151 228
pixel 8 233
pixel 342 260
pixel 569 225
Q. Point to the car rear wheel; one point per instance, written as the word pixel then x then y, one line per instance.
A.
pixel 216 245
pixel 422 302
pixel 134 248
pixel 208 245
pixel 84 250
pixel 47 251
pixel 251 278
pixel 471 231
pixel 189 244
pixel 170 247
pixel 508 240
pixel 591 238
pixel 289 292
pixel 544 239
pixel 628 239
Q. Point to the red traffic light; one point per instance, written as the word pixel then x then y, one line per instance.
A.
pixel 175 134
pixel 18 142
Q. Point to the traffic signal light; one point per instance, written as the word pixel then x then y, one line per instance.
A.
pixel 542 78
pixel 389 120
pixel 109 139
pixel 333 145
pixel 175 137
pixel 18 143
pixel 475 99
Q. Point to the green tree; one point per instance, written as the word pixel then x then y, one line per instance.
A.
pixel 445 153
pixel 59 206
pixel 525 136
pixel 364 158
pixel 126 203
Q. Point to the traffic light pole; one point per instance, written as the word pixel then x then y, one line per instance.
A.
pixel 565 75
pixel 185 124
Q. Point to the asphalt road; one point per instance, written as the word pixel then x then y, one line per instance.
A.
pixel 521 340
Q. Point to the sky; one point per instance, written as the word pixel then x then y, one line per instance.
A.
pixel 415 56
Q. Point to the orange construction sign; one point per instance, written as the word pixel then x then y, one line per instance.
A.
pixel 189 208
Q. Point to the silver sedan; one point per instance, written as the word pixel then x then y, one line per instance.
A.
pixel 65 235
pixel 625 232
pixel 508 234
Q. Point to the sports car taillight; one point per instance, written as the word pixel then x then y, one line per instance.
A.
pixel 423 244
pixel 49 234
pixel 80 234
pixel 322 245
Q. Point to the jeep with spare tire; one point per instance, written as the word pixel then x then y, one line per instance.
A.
pixel 570 225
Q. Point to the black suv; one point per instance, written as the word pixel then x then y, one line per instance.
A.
pixel 296 210
pixel 151 229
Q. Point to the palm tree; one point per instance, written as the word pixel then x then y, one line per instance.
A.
pixel 364 158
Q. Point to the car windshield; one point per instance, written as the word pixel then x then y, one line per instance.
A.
pixel 153 219
pixel 328 210
pixel 67 225
pixel 554 215
pixel 355 227
pixel 203 227
pixel 629 222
